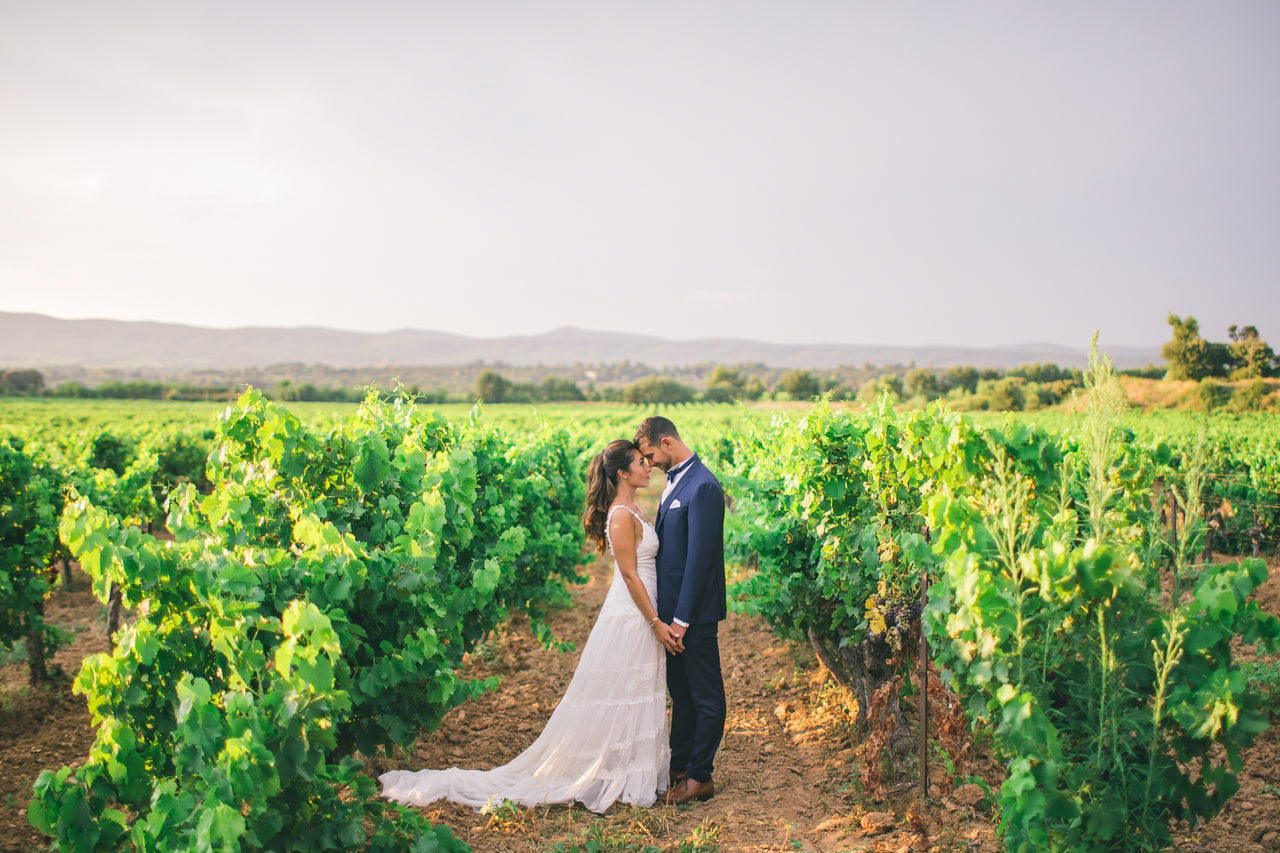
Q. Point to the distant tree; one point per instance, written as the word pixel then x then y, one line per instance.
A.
pixel 1187 354
pixel 721 393
pixel 892 383
pixel 1008 394
pixel 1046 372
pixel 1051 393
pixel 722 375
pixel 961 376
pixel 921 382
pixel 308 393
pixel 753 389
pixel 492 387
pixel 1190 356
pixel 655 389
pixel 800 385
pixel 522 392
pixel 724 385
pixel 1251 357
pixel 832 385
pixel 558 388
pixel 24 383
pixel 873 389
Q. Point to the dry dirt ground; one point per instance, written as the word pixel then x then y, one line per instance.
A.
pixel 786 775
pixel 49 727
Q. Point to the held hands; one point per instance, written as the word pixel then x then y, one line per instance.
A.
pixel 667 635
pixel 677 634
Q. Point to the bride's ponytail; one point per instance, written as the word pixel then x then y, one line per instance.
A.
pixel 602 486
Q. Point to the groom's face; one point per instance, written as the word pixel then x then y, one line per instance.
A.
pixel 658 455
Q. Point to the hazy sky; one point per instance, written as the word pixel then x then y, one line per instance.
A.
pixel 897 172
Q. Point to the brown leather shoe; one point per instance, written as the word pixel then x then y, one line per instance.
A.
pixel 690 789
pixel 677 778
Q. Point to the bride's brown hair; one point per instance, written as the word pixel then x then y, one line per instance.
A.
pixel 602 486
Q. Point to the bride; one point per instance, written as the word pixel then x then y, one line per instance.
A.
pixel 607 739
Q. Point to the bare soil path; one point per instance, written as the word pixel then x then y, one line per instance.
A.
pixel 783 774
pixel 49 727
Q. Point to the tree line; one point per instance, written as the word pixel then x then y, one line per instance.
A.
pixel 1030 386
pixel 966 387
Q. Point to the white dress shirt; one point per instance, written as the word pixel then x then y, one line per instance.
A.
pixel 671 484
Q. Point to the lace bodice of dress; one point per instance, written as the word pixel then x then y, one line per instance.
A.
pixel 646 560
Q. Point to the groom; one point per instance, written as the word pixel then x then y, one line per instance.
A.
pixel 691 598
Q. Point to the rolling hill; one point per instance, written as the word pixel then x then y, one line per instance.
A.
pixel 35 340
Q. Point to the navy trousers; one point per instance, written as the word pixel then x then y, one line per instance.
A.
pixel 697 702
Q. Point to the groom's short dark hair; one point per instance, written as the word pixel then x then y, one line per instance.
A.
pixel 654 429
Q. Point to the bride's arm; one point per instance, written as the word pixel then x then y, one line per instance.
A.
pixel 625 532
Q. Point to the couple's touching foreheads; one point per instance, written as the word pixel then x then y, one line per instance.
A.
pixel 657 633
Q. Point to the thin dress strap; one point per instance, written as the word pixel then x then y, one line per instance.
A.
pixel 609 518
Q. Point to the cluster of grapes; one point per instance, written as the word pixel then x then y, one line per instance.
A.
pixel 902 614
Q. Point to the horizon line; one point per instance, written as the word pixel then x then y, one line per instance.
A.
pixel 571 328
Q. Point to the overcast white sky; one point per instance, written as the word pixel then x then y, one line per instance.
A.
pixel 887 173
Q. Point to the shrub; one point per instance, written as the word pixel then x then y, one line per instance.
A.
pixel 1210 395
pixel 1249 397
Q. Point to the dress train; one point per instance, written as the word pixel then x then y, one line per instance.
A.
pixel 606 740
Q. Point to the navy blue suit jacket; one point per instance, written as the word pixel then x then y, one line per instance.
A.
pixel 690 559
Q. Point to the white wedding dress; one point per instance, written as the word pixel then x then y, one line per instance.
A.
pixel 607 739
